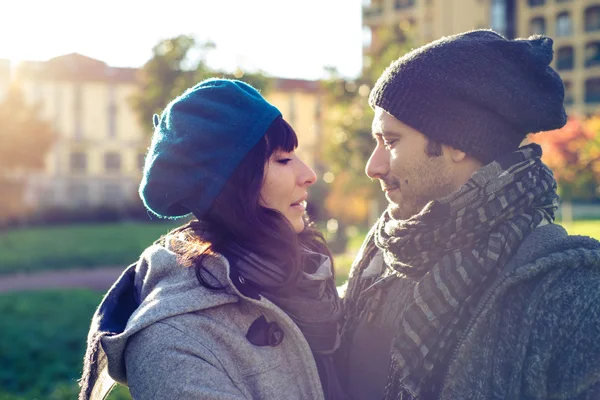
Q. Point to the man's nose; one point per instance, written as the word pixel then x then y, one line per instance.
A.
pixel 379 163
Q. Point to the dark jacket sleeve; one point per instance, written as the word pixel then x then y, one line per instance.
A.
pixel 165 363
pixel 568 337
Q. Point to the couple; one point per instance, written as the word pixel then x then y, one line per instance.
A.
pixel 464 289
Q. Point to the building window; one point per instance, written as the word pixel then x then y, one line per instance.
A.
pixel 592 54
pixel 78 194
pixel 498 16
pixel 537 26
pixel 112 112
pixel 77 110
pixel 78 162
pixel 592 90
pixel 400 4
pixel 46 197
pixel 564 27
pixel 372 10
pixel 592 19
pixel 535 3
pixel 113 194
pixel 112 162
pixel 564 58
pixel 568 92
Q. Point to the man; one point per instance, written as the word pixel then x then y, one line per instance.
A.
pixel 465 288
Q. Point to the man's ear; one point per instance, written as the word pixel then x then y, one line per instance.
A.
pixel 455 154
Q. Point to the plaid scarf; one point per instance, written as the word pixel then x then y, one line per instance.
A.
pixel 450 251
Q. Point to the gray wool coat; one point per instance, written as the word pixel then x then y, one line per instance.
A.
pixel 165 336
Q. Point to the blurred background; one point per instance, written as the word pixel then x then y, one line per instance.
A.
pixel 79 83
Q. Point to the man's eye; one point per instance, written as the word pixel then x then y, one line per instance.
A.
pixel 388 143
pixel 284 161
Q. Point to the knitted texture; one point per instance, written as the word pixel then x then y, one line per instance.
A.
pixel 475 91
pixel 199 140
pixel 449 250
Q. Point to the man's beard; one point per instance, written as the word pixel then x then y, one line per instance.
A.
pixel 399 213
pixel 440 190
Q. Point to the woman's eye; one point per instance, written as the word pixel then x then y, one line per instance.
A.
pixel 284 161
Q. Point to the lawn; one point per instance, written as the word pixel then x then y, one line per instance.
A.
pixel 42 342
pixel 76 246
pixel 42 334
pixel 88 246
pixel 586 228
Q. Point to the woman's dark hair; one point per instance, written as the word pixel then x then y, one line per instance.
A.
pixel 237 216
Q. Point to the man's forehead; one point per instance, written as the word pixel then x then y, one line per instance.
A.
pixel 378 124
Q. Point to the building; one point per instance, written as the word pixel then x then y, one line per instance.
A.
pixel 574 25
pixel 301 103
pixel 428 19
pixel 99 155
pixel 4 77
pixel 99 152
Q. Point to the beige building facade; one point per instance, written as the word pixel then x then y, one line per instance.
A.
pixel 98 154
pixel 302 104
pixel 98 157
pixel 574 25
pixel 5 72
pixel 429 19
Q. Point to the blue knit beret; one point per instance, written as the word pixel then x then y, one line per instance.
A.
pixel 475 91
pixel 198 141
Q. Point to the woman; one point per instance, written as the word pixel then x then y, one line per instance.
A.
pixel 241 302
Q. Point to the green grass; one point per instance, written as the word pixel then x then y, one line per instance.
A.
pixel 75 246
pixel 42 343
pixel 83 246
pixel 586 228
pixel 42 334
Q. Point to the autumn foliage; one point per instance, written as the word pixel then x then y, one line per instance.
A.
pixel 25 140
pixel 573 154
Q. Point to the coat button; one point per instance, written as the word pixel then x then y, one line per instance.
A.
pixel 274 335
pixel 241 279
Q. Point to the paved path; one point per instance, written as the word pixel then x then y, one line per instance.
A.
pixel 96 278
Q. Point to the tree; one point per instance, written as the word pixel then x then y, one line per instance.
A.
pixel 348 121
pixel 177 64
pixel 567 152
pixel 25 140
pixel 591 151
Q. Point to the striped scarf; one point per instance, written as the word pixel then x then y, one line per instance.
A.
pixel 450 251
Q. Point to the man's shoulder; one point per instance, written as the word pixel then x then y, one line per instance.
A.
pixel 567 271
pixel 552 241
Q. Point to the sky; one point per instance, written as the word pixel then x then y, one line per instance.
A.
pixel 283 38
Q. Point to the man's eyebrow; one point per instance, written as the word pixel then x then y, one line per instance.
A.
pixel 385 133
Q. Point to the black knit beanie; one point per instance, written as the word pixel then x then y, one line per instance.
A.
pixel 475 91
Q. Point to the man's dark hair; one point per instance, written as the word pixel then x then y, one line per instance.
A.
pixel 433 148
